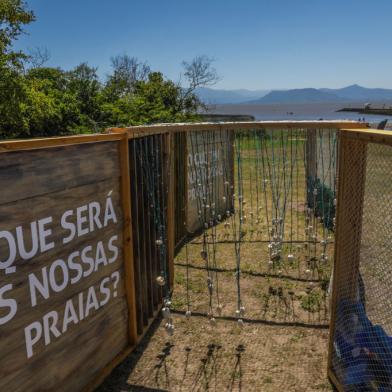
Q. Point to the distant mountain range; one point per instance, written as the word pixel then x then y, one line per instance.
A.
pixel 213 96
pixel 303 95
pixel 354 93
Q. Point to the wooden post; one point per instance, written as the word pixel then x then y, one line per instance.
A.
pixel 127 240
pixel 169 140
pixel 351 187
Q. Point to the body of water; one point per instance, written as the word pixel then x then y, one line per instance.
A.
pixel 314 111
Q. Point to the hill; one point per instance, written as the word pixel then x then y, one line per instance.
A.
pixel 353 93
pixel 362 94
pixel 215 96
pixel 304 95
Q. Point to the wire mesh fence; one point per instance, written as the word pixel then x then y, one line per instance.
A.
pixel 254 224
pixel 265 199
pixel 361 324
pixel 149 201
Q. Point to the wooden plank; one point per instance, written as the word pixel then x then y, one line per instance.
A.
pixel 134 174
pixel 158 189
pixel 112 134
pixel 335 381
pixel 369 135
pixel 351 183
pixel 27 174
pixel 105 372
pixel 163 195
pixel 128 241
pixel 32 144
pixel 76 358
pixel 13 341
pixel 143 130
pixel 180 155
pixel 177 188
pixel 84 344
pixel 23 212
pixel 169 175
pixel 21 291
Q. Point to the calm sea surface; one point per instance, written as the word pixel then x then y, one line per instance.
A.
pixel 316 111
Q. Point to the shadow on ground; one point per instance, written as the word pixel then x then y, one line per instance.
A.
pixel 203 374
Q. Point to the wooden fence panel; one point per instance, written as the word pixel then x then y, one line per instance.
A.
pixel 360 345
pixel 87 224
pixel 63 306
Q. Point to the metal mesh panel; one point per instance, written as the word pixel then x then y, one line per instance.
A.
pixel 210 172
pixel 149 189
pixel 180 190
pixel 376 245
pixel 361 345
pixel 268 221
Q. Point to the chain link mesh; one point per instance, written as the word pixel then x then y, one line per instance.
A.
pixel 361 355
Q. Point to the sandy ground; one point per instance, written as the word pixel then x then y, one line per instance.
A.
pixel 282 346
pixel 199 357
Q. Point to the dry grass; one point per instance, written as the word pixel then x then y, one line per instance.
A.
pixel 200 358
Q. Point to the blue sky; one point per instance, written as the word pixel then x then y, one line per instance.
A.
pixel 257 44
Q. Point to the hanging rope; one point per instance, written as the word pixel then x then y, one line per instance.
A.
pixel 263 203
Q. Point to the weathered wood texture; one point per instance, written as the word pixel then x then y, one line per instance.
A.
pixel 144 130
pixel 167 140
pixel 129 273
pixel 180 187
pixel 351 183
pixel 46 177
pixel 45 183
pixel 39 174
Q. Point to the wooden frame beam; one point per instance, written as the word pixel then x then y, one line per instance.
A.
pixel 351 188
pixel 143 130
pixel 32 144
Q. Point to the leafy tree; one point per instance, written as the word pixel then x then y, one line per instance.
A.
pixel 45 101
pixel 152 101
pixel 51 107
pixel 12 94
pixel 13 16
pixel 55 77
pixel 84 83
